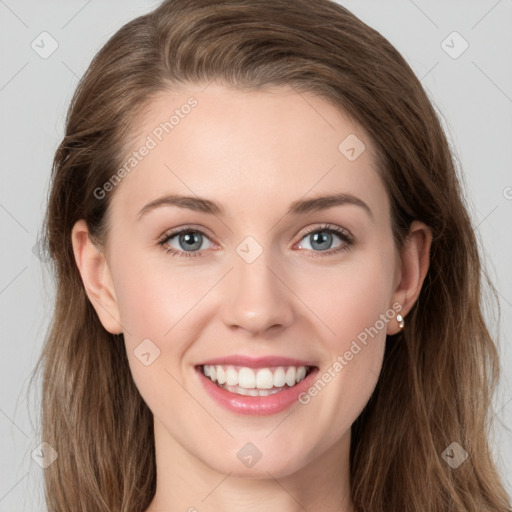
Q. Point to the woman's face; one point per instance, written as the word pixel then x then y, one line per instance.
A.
pixel 260 284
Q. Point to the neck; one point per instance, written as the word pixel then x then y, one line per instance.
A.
pixel 185 483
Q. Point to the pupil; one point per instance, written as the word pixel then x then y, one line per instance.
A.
pixel 326 239
pixel 191 239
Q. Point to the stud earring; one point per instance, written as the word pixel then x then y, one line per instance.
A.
pixel 400 320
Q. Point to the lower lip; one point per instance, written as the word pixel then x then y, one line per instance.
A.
pixel 256 405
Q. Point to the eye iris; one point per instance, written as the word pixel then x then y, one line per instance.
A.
pixel 324 237
pixel 191 240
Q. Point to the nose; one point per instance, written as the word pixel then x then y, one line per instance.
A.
pixel 258 298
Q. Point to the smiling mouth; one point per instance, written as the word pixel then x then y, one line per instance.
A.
pixel 246 381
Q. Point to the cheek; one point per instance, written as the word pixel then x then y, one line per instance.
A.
pixel 356 306
pixel 153 309
pixel 152 298
pixel 162 304
pixel 349 297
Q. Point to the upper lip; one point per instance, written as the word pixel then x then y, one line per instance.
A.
pixel 256 362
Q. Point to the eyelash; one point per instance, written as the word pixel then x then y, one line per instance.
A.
pixel 344 235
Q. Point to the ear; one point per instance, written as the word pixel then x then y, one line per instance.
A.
pixel 413 266
pixel 96 277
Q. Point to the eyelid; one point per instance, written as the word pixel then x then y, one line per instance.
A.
pixel 309 230
pixel 344 234
pixel 187 227
pixel 329 227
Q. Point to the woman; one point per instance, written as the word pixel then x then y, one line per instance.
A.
pixel 206 353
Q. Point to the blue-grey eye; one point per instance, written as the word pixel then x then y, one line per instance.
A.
pixel 188 241
pixel 321 240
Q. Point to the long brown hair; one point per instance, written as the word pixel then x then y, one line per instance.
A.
pixel 438 374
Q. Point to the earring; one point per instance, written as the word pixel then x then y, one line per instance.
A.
pixel 400 320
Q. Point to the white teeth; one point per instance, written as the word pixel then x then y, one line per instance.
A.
pixel 290 376
pixel 251 392
pixel 264 379
pixel 221 376
pixel 279 377
pixel 253 380
pixel 246 378
pixel 231 376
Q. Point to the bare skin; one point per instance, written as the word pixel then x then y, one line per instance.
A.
pixel 253 153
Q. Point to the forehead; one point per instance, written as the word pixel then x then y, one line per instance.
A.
pixel 245 149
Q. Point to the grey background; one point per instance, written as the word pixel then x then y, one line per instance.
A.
pixel 473 94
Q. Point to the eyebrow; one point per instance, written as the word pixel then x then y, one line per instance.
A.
pixel 299 207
